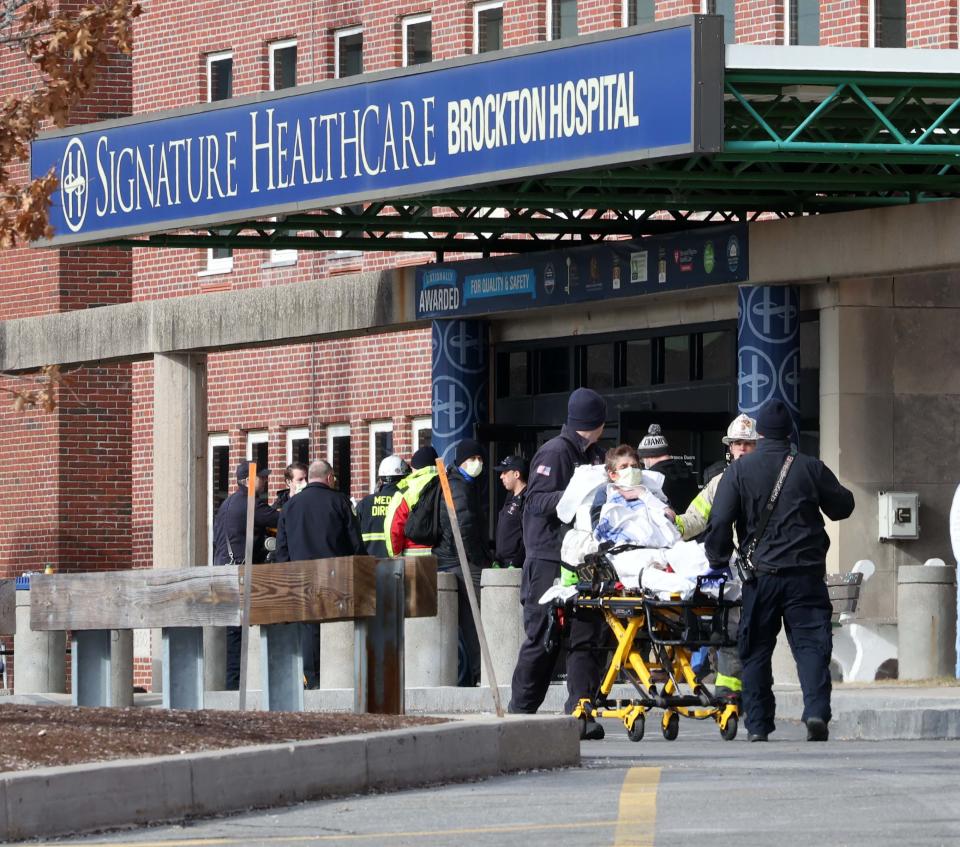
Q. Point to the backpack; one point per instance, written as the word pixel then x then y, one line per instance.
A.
pixel 423 522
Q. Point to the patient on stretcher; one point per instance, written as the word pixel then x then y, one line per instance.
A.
pixel 634 513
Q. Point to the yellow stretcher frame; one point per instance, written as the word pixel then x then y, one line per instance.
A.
pixel 681 695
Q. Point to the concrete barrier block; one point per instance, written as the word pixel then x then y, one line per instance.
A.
pixel 538 742
pixel 502 617
pixel 57 801
pixel 242 778
pixel 333 766
pixel 336 654
pixel 432 754
pixel 4 831
pixel 430 644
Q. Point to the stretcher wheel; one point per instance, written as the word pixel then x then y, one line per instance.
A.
pixel 671 728
pixel 729 732
pixel 635 732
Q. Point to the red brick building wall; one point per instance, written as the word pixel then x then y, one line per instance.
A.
pixel 760 21
pixel 932 23
pixel 844 23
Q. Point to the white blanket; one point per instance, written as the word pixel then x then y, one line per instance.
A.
pixel 641 521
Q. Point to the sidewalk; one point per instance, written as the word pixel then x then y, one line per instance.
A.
pixel 867 711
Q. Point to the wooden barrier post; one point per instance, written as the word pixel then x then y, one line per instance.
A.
pixel 471 593
pixel 247 577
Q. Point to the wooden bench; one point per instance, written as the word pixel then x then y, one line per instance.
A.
pixel 376 594
pixel 844 592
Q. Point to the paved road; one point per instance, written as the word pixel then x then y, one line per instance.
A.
pixel 695 791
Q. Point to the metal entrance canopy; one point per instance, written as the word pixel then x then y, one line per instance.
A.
pixel 805 130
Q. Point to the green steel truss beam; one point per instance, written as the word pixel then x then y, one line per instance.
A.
pixel 795 143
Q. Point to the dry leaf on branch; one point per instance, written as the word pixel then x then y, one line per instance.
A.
pixel 67 51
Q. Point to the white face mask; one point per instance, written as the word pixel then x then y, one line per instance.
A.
pixel 472 467
pixel 629 477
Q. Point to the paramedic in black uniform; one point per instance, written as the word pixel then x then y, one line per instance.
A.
pixel 790 562
pixel 513 474
pixel 551 470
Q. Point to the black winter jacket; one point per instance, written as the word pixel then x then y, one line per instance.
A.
pixel 231 521
pixel 679 485
pixel 473 525
pixel 316 524
pixel 795 534
pixel 551 470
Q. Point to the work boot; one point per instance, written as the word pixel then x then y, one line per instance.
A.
pixel 817 729
pixel 728 696
pixel 590 730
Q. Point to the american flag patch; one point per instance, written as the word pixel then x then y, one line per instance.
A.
pixel 543 470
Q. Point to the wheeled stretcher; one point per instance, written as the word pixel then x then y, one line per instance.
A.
pixel 654 641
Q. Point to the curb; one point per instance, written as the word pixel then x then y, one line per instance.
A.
pixel 882 716
pixel 168 788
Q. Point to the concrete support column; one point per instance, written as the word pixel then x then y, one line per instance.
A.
pixel 460 376
pixel 430 652
pixel 927 620
pixel 39 657
pixel 502 621
pixel 215 658
pixel 768 348
pixel 179 468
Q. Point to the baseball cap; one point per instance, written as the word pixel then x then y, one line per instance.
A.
pixel 243 470
pixel 514 463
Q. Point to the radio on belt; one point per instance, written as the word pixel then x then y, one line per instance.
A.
pixel 899 515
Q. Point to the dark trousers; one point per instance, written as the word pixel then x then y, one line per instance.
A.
pixel 798 597
pixel 309 645
pixel 531 677
pixel 234 634
pixel 468 670
pixel 310 650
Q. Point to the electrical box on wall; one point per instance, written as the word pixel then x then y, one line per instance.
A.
pixel 899 515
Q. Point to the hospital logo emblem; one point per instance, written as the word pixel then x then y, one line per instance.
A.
pixel 74 185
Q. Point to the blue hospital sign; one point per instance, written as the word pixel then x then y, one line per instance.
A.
pixel 599 101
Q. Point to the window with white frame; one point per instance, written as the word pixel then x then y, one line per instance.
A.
pixel 561 19
pixel 802 22
pixel 283 74
pixel 417 34
pixel 283 64
pixel 638 12
pixel 889 25
pixel 381 446
pixel 219 87
pixel 348 52
pixel 488 27
pixel 218 481
pixel 422 432
pixel 728 9
pixel 338 454
pixel 298 445
pixel 258 448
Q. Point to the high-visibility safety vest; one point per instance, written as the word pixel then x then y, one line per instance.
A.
pixel 408 493
pixel 372 511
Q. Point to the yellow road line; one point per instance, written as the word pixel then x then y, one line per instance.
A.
pixel 636 825
pixel 343 836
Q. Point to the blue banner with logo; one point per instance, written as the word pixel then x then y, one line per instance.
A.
pixel 460 375
pixel 768 348
pixel 581 274
pixel 601 100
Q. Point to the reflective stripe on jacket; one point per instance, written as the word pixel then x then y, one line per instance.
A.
pixel 694 521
